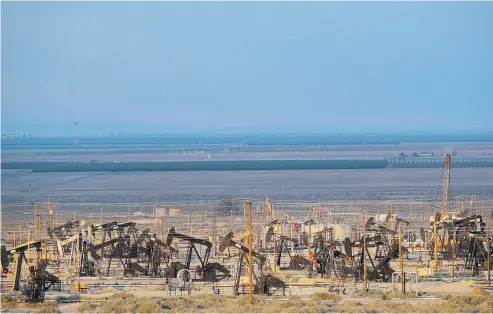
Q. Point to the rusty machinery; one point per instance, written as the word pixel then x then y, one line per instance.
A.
pixel 380 264
pixel 265 284
pixel 114 243
pixel 460 238
pixel 478 251
pixel 333 261
pixel 296 261
pixel 457 235
pixel 127 242
pixel 154 253
pixel 39 280
pixel 330 261
pixel 386 248
pixel 210 272
pixel 388 245
pixel 63 231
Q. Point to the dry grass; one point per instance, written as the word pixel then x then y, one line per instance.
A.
pixel 9 302
pixel 386 295
pixel 459 304
pixel 48 307
pixel 479 291
pixel 207 303
pixel 108 289
pixel 324 296
pixel 86 307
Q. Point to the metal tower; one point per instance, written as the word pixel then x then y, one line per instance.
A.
pixel 446 184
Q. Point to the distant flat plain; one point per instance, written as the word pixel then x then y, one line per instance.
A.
pixel 208 186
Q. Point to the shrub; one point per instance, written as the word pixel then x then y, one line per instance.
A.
pixel 147 305
pixel 324 296
pixel 48 307
pixel 9 302
pixel 86 306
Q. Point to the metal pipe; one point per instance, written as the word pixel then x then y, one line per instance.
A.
pixel 250 255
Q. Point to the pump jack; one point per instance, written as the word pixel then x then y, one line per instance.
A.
pixel 297 261
pixel 63 231
pixel 155 252
pixel 39 279
pixel 264 283
pixel 209 271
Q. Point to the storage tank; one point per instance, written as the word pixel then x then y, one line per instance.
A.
pixel 316 228
pixel 174 211
pixel 160 212
pixel 342 231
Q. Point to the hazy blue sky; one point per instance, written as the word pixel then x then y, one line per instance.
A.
pixel 246 67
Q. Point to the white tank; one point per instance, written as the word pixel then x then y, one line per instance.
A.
pixel 174 211
pixel 342 231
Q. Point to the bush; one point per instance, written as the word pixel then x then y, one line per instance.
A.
pixel 9 302
pixel 48 307
pixel 86 306
pixel 120 303
pixel 147 305
pixel 444 296
pixel 324 296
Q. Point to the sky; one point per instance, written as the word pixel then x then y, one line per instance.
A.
pixel 225 67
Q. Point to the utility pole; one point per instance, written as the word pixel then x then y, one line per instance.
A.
pixel 423 207
pixel 473 208
pixel 154 207
pixel 489 263
pixel 309 229
pixel 38 229
pixel 274 265
pixel 401 263
pixel 257 229
pixel 435 241
pixel 214 229
pixel 35 215
pixel 200 216
pixel 453 251
pixel 162 227
pixel 50 212
pixel 190 220
pixel 364 251
pixel 250 248
pixel 28 250
pixel 244 217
